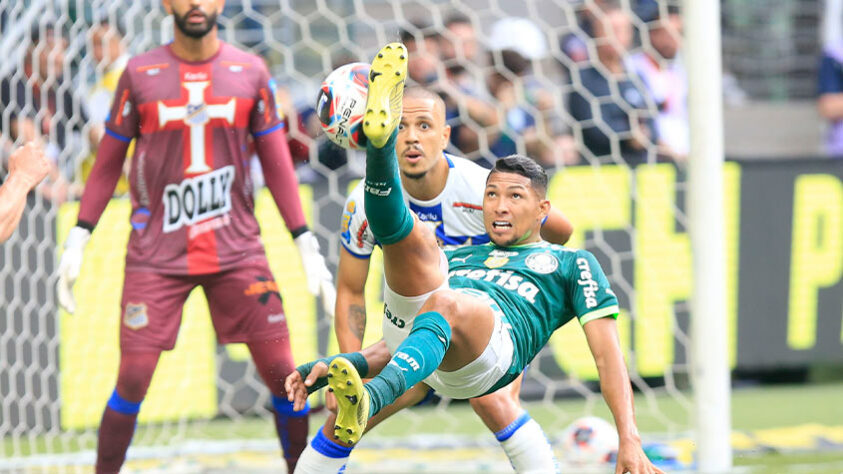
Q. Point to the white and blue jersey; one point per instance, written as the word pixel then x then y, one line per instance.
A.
pixel 455 215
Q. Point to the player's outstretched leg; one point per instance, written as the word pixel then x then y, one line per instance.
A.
pixel 389 218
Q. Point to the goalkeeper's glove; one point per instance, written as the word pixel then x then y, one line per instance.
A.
pixel 70 264
pixel 320 282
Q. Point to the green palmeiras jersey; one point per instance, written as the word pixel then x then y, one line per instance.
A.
pixel 539 287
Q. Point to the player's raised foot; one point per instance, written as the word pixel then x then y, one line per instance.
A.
pixel 386 92
pixel 352 401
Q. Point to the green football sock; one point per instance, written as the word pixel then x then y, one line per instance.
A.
pixel 414 360
pixel 388 215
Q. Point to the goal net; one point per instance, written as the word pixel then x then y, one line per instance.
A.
pixel 579 85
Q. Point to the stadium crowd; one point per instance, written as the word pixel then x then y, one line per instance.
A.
pixel 510 90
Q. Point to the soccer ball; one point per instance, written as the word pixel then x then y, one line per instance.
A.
pixel 341 104
pixel 590 441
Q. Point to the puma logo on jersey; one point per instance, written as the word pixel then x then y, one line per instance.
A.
pixel 197 199
pixel 506 279
pixel 586 281
pixel 461 259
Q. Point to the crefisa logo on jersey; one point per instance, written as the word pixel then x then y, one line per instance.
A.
pixel 543 262
pixel 586 281
pixel 197 199
pixel 506 279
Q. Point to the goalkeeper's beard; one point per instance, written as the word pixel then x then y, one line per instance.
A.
pixel 195 31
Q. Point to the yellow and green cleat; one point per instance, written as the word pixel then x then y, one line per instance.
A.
pixel 386 92
pixel 352 401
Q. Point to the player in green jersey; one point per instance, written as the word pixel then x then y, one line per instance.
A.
pixel 505 298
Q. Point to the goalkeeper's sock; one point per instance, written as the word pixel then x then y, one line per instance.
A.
pixel 526 446
pixel 414 360
pixel 322 456
pixel 274 362
pixel 388 215
pixel 292 427
pixel 115 434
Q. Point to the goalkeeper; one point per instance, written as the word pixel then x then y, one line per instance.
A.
pixel 505 298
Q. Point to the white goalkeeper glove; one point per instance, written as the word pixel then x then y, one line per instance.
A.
pixel 69 266
pixel 320 282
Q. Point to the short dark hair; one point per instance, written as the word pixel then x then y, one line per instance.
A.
pixel 115 25
pixel 456 17
pixel 524 166
pixel 46 29
pixel 424 27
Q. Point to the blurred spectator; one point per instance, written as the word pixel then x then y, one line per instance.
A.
pixel 458 46
pixel 529 113
pixel 110 56
pixel 41 106
pixel 520 35
pixel 830 103
pixel 505 84
pixel 422 43
pixel 663 74
pixel 469 109
pixel 605 88
pixel 522 43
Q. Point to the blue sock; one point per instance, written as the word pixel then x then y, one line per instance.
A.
pixel 415 359
pixel 389 217
pixel 510 430
pixel 291 426
pixel 120 405
pixel 328 448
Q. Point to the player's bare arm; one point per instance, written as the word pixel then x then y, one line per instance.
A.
pixel 830 106
pixel 602 337
pixel 350 312
pixel 557 229
pixel 27 167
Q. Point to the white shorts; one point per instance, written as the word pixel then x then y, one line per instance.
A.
pixel 400 311
pixel 478 376
pixel 482 373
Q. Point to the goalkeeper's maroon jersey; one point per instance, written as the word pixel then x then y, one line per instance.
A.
pixel 192 205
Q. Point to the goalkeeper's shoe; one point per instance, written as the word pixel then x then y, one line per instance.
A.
pixel 352 401
pixel 386 91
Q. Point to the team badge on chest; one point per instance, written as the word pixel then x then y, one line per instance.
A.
pixel 543 262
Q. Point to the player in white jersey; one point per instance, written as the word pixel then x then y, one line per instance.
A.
pixel 446 192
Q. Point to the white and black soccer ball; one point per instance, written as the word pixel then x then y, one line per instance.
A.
pixel 342 103
pixel 590 441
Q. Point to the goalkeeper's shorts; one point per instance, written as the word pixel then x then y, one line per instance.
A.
pixel 244 301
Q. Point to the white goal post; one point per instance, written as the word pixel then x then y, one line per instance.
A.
pixel 710 373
